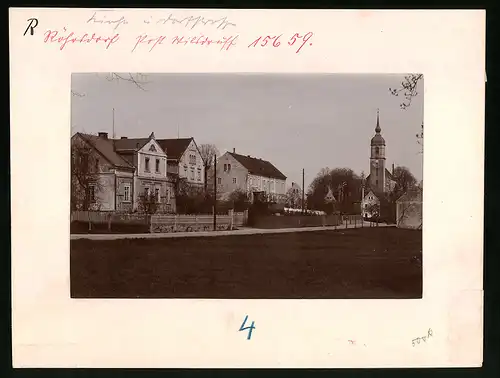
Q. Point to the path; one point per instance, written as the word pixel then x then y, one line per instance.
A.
pixel 241 231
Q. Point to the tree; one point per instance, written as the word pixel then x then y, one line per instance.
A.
pixel 420 138
pixel 85 178
pixel 148 203
pixel 408 89
pixel 404 181
pixel 293 198
pixel 191 199
pixel 344 184
pixel 239 200
pixel 208 153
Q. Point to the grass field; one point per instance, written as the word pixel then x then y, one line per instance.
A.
pixel 354 263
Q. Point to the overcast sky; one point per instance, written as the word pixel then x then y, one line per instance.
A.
pixel 294 121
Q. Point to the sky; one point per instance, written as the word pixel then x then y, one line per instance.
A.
pixel 296 121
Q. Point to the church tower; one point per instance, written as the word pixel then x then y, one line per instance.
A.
pixel 377 160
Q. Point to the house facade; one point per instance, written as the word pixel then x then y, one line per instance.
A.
pixel 130 169
pixel 252 175
pixel 184 160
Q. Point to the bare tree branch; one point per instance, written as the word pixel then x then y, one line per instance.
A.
pixel 408 89
pixel 77 94
pixel 113 76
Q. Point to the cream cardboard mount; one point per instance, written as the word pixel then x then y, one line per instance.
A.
pixel 444 328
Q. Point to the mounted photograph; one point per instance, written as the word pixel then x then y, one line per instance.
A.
pixel 246 185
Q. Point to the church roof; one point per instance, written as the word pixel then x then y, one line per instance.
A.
pixel 378 140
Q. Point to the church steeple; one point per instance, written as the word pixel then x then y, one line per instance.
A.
pixel 378 129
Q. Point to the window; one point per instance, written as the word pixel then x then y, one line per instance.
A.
pixel 126 193
pixel 192 173
pixel 234 180
pixel 157 194
pixel 185 170
pixel 157 165
pixel 192 158
pixel 228 167
pixel 91 193
pixel 376 182
pixel 146 192
pixel 225 167
pixel 376 171
pixel 146 168
pixel 377 150
pixel 219 180
pixel 199 174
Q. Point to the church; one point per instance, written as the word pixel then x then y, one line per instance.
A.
pixel 380 181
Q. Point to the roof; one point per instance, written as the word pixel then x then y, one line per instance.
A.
pixel 378 140
pixel 381 196
pixel 258 167
pixel 411 195
pixel 130 144
pixel 105 148
pixel 174 147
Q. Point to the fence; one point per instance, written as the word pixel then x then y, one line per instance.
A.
pixel 107 216
pixel 293 221
pixel 158 223
pixel 190 223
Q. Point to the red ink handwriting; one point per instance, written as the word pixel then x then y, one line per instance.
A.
pixel 63 39
pixel 145 39
pixel 225 42
pixel 274 41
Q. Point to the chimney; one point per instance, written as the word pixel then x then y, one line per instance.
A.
pixel 393 168
pixel 123 138
pixel 234 150
pixel 103 135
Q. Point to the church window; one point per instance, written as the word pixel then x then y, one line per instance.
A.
pixel 376 150
pixel 376 171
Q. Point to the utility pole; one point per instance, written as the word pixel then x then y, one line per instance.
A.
pixel 303 196
pixel 215 193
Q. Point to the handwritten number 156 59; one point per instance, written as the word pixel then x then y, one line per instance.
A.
pixel 274 41
pixel 250 328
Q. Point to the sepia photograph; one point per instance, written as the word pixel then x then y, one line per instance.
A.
pixel 246 186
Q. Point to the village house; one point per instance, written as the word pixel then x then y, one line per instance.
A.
pixel 184 160
pixel 255 176
pixel 129 170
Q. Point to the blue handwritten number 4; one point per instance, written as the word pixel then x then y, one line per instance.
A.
pixel 250 328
